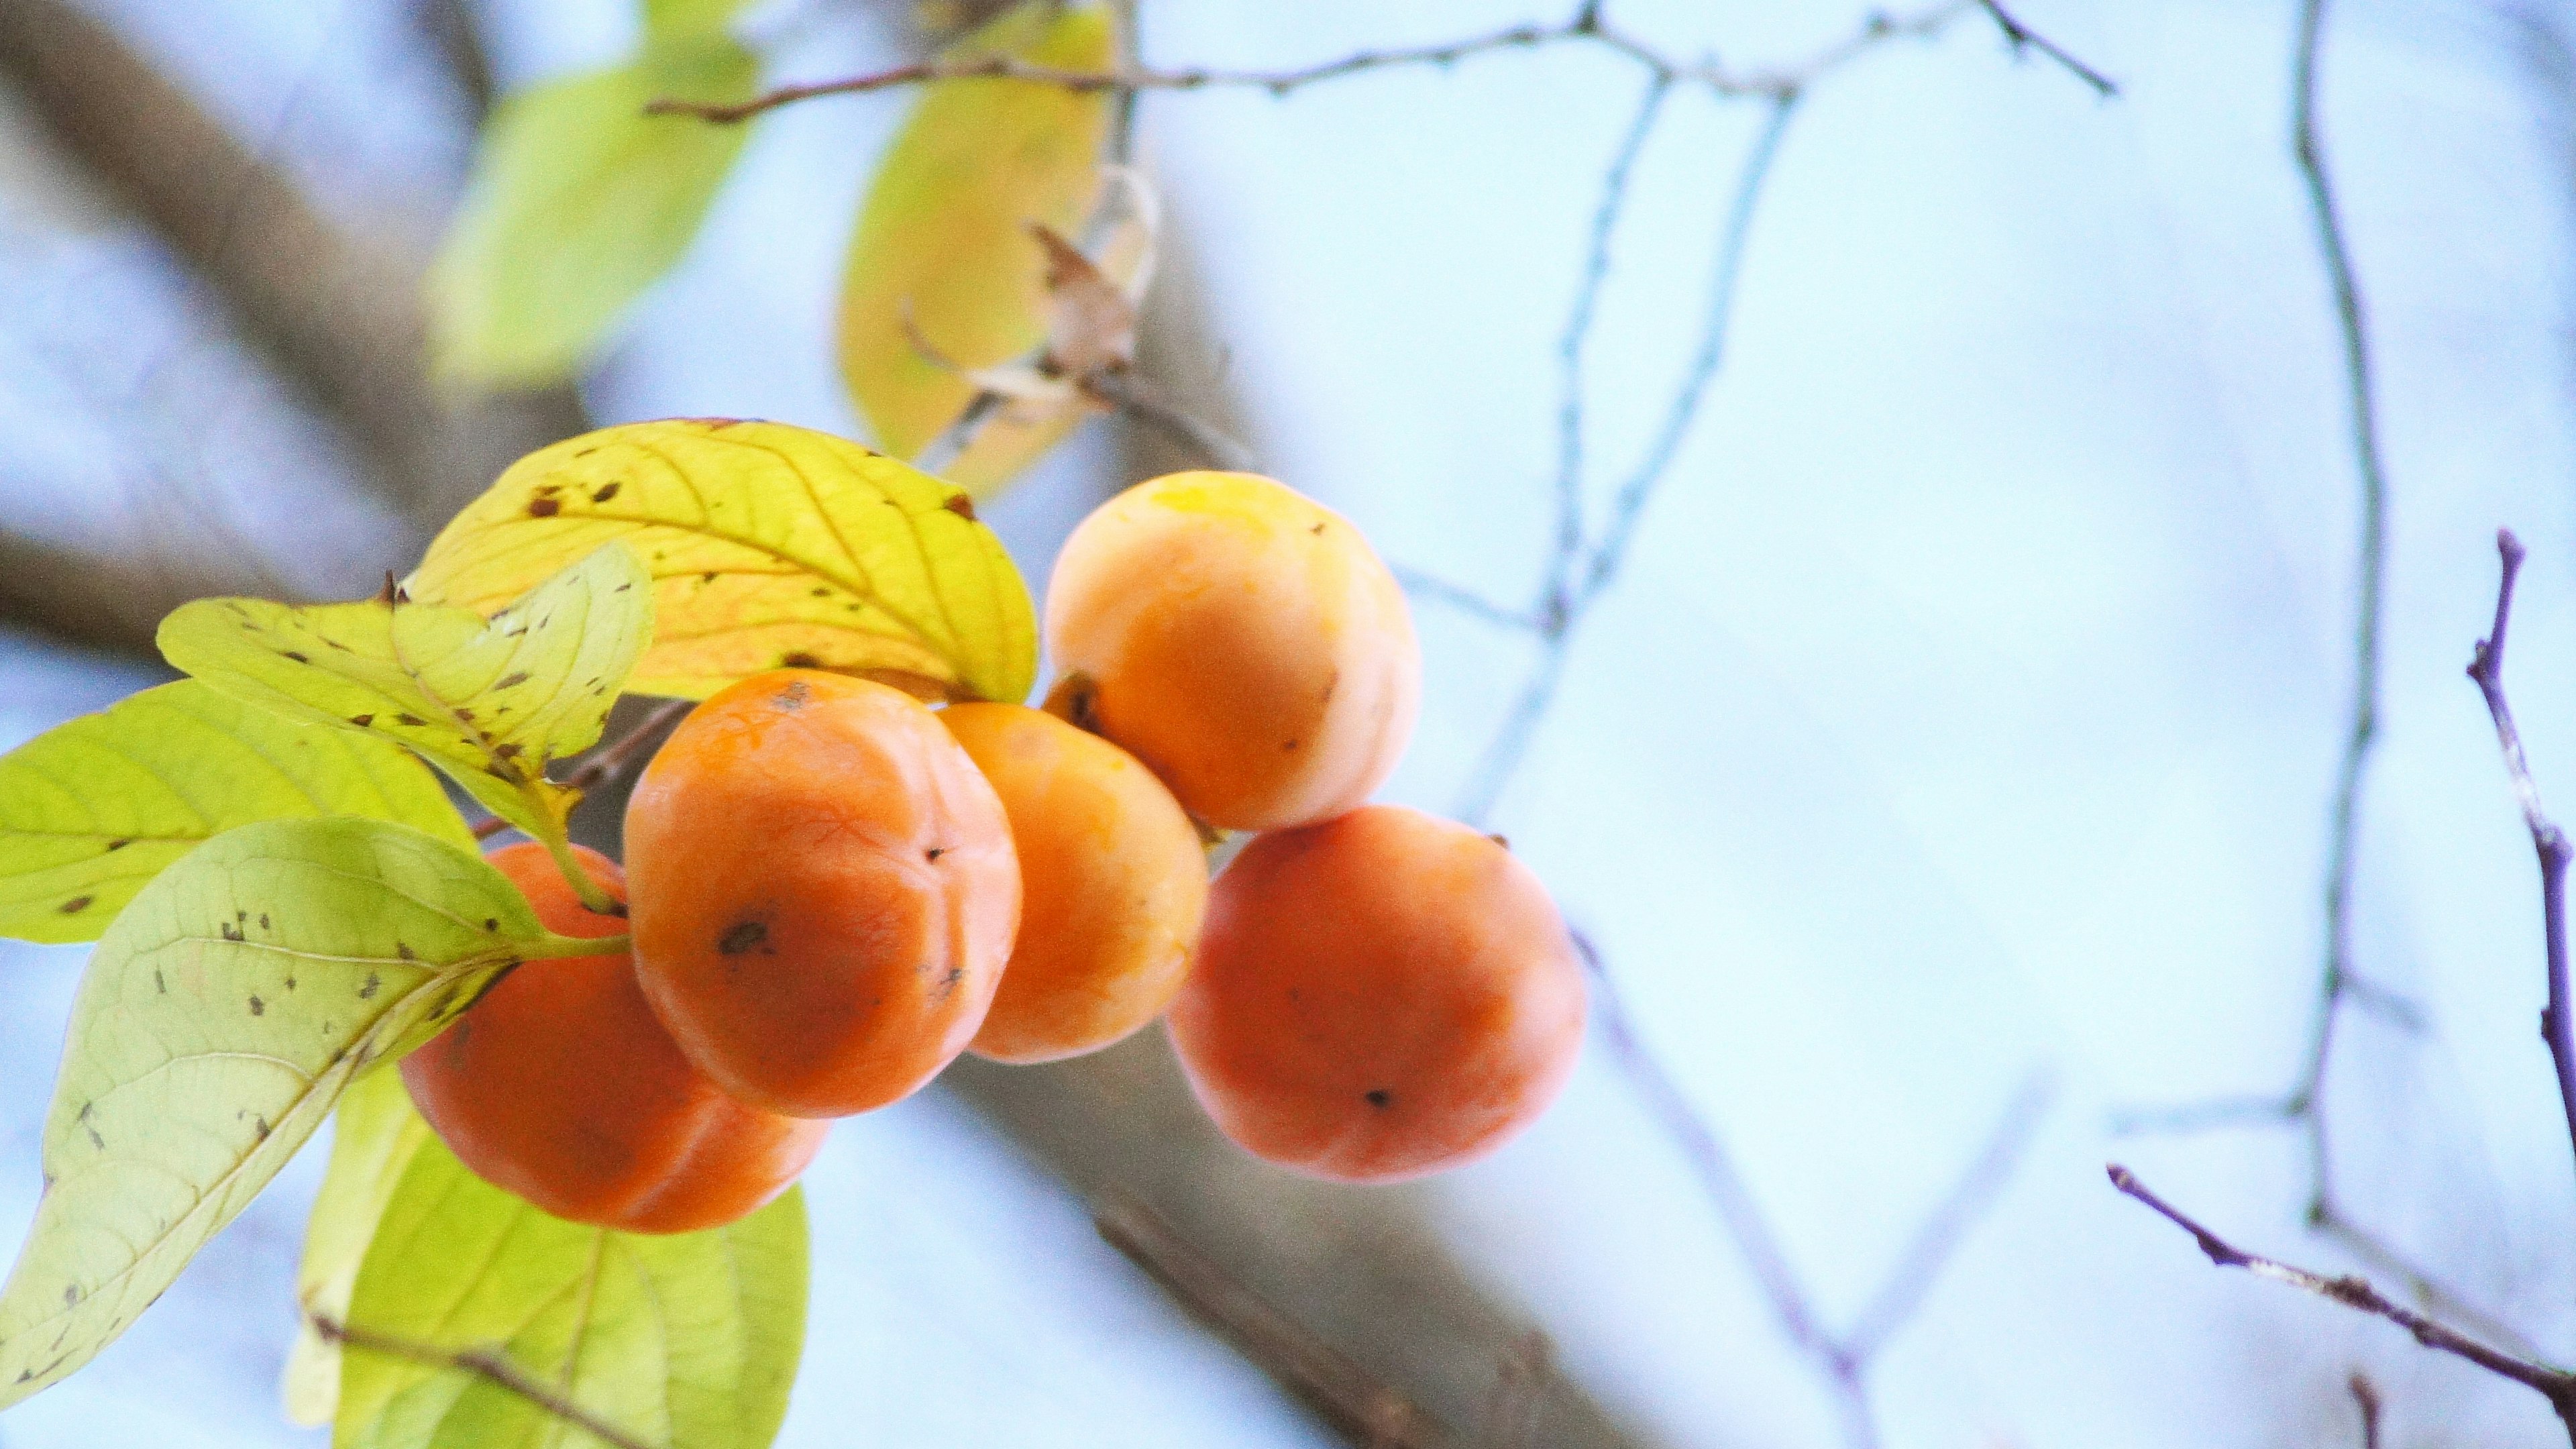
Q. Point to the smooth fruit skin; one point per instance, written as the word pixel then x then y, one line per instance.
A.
pixel 1113 883
pixel 1379 997
pixel 562 1087
pixel 1243 641
pixel 825 891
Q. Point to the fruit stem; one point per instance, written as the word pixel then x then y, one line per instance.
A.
pixel 594 897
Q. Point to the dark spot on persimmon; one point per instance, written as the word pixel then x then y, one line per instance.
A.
pixel 1378 1097
pixel 795 696
pixel 742 937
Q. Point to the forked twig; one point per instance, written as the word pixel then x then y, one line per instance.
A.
pixel 2552 1383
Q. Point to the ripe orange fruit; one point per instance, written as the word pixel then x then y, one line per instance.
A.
pixel 1243 641
pixel 1113 881
pixel 1378 997
pixel 560 1086
pixel 825 892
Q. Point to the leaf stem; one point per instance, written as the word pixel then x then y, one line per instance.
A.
pixel 594 897
pixel 551 946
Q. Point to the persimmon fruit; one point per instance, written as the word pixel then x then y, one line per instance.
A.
pixel 1113 882
pixel 561 1086
pixel 1378 997
pixel 1241 639
pixel 825 891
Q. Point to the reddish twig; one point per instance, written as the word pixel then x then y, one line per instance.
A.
pixel 2365 1397
pixel 488 1364
pixel 611 761
pixel 2556 1385
pixel 1586 26
pixel 2547 841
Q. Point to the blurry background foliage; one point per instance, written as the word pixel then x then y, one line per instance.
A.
pixel 1956 571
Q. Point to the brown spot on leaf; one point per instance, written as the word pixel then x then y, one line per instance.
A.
pixel 961 505
pixel 515 677
pixel 799 660
pixel 368 989
pixel 362 720
pixel 291 654
pixel 415 721
pixel 543 508
pixel 258 1007
pixel 118 844
pixel 74 906
pixel 231 932
pixel 606 492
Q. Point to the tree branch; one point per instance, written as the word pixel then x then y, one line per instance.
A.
pixel 2022 37
pixel 2554 1384
pixel 1358 1404
pixel 1586 27
pixel 2547 840
pixel 2365 1398
pixel 491 1365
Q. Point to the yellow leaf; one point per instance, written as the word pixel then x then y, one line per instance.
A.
pixel 768 545
pixel 578 202
pixel 943 251
pixel 491 702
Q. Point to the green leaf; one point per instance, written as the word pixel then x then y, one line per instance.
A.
pixel 372 1142
pixel 768 545
pixel 690 1339
pixel 221 1017
pixel 579 201
pixel 688 17
pixel 490 702
pixel 943 262
pixel 93 809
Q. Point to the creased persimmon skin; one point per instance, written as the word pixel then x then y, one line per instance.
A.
pixel 561 1086
pixel 1378 997
pixel 1113 883
pixel 1243 641
pixel 825 892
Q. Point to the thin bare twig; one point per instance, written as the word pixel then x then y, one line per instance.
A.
pixel 2547 840
pixel 1358 1404
pixel 2550 1382
pixel 1586 26
pixel 2341 984
pixel 1843 1359
pixel 487 1364
pixel 2365 1397
pixel 612 760
pixel 2022 37
pixel 1580 573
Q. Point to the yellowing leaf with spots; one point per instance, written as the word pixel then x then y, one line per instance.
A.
pixel 220 1018
pixel 944 274
pixel 769 545
pixel 689 1339
pixel 93 809
pixel 372 1143
pixel 579 200
pixel 491 702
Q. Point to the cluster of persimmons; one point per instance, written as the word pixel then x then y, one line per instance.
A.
pixel 833 889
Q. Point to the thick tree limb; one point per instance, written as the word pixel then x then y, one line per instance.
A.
pixel 338 313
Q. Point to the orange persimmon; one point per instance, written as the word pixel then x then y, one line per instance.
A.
pixel 1113 881
pixel 1242 640
pixel 1381 996
pixel 561 1086
pixel 825 891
